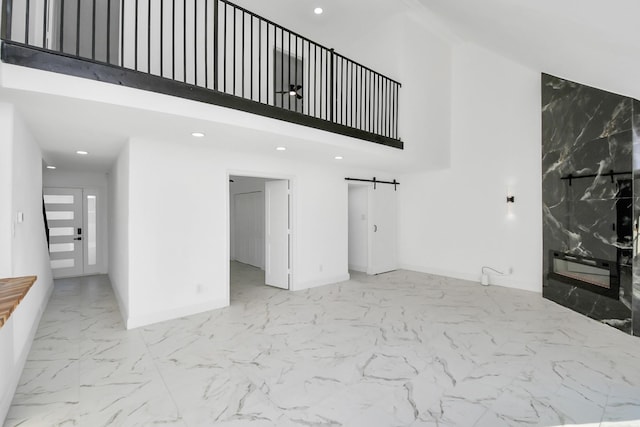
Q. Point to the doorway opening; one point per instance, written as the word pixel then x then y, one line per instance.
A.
pixel 259 235
pixel 372 228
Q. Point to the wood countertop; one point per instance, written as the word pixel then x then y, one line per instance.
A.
pixel 12 291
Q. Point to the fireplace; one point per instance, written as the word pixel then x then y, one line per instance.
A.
pixel 595 275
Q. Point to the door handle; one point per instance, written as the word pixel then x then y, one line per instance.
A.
pixel 77 238
pixel 375 228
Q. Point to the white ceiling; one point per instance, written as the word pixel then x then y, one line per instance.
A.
pixel 591 41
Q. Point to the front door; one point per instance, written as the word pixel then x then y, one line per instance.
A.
pixel 64 207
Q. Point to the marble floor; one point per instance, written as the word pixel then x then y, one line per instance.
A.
pixel 399 349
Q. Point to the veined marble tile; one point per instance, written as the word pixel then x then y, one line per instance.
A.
pixel 399 349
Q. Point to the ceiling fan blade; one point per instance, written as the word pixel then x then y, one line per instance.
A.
pixel 298 96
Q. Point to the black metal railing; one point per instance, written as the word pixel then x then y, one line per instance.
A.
pixel 216 45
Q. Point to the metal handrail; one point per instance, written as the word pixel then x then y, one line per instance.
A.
pixel 216 45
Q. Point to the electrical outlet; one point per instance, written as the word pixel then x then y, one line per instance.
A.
pixel 199 288
pixel 321 268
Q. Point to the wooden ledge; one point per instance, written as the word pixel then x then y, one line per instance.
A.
pixel 12 291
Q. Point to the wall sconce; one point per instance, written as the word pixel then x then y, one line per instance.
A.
pixel 511 201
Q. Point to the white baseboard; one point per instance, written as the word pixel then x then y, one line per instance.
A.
pixel 503 281
pixel 174 313
pixel 124 313
pixel 358 268
pixel 321 282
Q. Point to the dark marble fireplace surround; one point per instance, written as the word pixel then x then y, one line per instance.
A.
pixel 591 201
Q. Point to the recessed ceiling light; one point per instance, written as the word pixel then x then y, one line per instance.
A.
pixel 197 134
pixel 51 167
pixel 318 11
pixel 338 157
pixel 82 153
pixel 281 148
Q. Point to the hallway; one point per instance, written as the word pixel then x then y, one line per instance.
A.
pixel 397 349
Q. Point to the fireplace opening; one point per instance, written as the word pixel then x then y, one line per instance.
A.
pixel 595 275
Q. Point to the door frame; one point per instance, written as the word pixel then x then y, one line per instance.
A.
pixel 292 219
pixel 102 236
pixel 368 186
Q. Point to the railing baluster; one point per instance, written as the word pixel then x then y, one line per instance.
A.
pixel 108 58
pixel 315 79
pixel 243 53
pixel 259 60
pixel 136 38
pixel 173 40
pixel 333 89
pixel 195 42
pixel 149 36
pixel 397 115
pixel 251 55
pixel 295 81
pixel 78 27
pixel 322 84
pixel 7 14
pixel 121 31
pixel 268 49
pixel 216 30
pixel 288 98
pixel 26 21
pixel 343 91
pixel 234 50
pixel 161 35
pixel 206 44
pixel 388 108
pixel 224 51
pixel 184 40
pixel 281 67
pixel 93 31
pixel 45 15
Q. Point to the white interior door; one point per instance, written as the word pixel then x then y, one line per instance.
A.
pixel 64 207
pixel 383 216
pixel 249 229
pixel 277 233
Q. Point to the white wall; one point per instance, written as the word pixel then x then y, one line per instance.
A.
pixel 119 230
pixel 358 228
pixel 179 219
pixel 243 185
pixel 92 183
pixel 28 250
pixel 6 188
pixel 453 222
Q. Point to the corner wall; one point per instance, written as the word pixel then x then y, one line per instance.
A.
pixel 119 230
pixel 455 221
pixel 27 248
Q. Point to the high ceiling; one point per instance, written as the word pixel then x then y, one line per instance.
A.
pixel 590 41
pixel 594 41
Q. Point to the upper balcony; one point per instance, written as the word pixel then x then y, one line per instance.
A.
pixel 210 51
